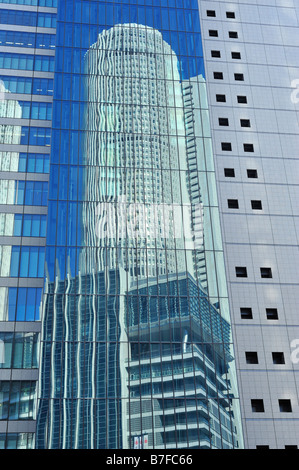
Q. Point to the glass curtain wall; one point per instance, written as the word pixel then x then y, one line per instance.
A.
pixel 26 90
pixel 136 348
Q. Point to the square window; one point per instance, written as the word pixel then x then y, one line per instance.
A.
pixel 229 172
pixel 251 173
pixel 213 33
pixel 226 146
pixel 248 147
pixel 272 313
pixel 233 203
pixel 266 273
pixel 285 406
pixel 221 98
pixel 236 55
pixel 278 358
pixel 18 225
pixel 239 77
pixel 241 271
pixel 242 99
pixel 211 13
pixel 256 205
pixel 251 357
pixel 230 14
pixel 232 34
pixel 218 75
pixel 245 122
pixel 215 54
pixel 223 122
pixel 246 313
pixel 257 406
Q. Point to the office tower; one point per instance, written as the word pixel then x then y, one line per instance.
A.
pixel 134 275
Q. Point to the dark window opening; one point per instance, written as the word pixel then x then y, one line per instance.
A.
pixel 229 172
pixel 230 14
pixel 213 33
pixel 226 146
pixel 251 173
pixel 218 75
pixel 245 122
pixel 233 203
pixel 215 54
pixel 285 406
pixel 239 77
pixel 242 99
pixel 221 98
pixel 272 313
pixel 248 147
pixel 233 34
pixel 246 313
pixel 236 55
pixel 256 205
pixel 278 358
pixel 211 13
pixel 223 122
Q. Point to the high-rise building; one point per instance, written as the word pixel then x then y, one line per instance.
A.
pixel 148 235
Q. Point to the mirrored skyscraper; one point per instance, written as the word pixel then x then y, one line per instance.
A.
pixel 27 39
pixel 136 338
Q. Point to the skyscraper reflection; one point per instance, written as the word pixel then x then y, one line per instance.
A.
pixel 135 346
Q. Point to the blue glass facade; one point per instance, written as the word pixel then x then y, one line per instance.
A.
pixel 135 338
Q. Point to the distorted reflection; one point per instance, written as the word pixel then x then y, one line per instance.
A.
pixel 136 340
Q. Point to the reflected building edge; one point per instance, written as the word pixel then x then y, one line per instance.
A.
pixel 136 353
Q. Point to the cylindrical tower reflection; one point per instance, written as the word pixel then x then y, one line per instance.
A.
pixel 134 351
